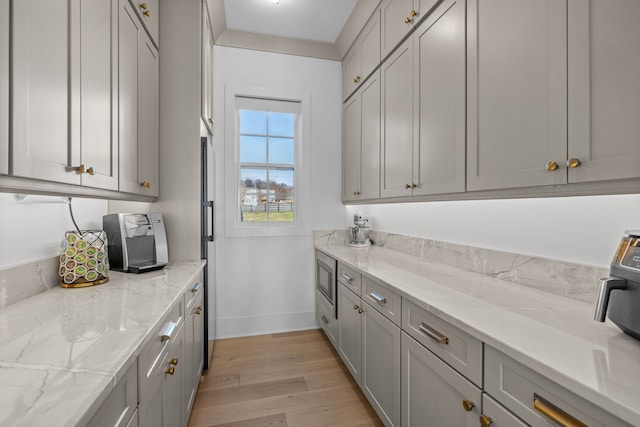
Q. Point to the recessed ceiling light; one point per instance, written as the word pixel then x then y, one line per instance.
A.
pixel 274 1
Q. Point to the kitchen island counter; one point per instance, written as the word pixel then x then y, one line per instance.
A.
pixel 63 351
pixel 553 335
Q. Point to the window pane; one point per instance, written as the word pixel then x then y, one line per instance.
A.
pixel 281 203
pixel 281 150
pixel 253 149
pixel 281 124
pixel 253 195
pixel 253 122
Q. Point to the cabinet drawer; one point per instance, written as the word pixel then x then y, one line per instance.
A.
pixel 193 292
pixel 459 349
pixel 496 414
pixel 521 390
pixel 383 299
pixel 326 319
pixel 151 355
pixel 119 407
pixel 350 277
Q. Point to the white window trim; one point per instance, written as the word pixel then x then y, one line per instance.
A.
pixel 302 177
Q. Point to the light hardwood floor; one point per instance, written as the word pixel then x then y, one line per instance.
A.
pixel 290 379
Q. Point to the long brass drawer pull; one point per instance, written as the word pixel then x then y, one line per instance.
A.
pixel 347 277
pixel 324 319
pixel 433 334
pixel 378 298
pixel 554 413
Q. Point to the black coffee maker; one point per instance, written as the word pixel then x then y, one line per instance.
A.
pixel 619 295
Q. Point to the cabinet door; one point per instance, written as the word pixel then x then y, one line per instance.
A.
pixel 397 122
pixel 150 405
pixel 439 70
pixel 148 13
pixel 398 18
pixel 351 143
pixel 496 415
pixel 369 41
pixel 41 137
pixel 98 93
pixel 4 87
pixel 351 71
pixel 148 113
pixel 350 331
pixel 604 91
pixel 188 356
pixel 173 405
pixel 432 392
pixel 370 138
pixel 381 365
pixel 207 70
pixel 517 93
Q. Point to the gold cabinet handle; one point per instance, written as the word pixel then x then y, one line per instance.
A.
pixel 356 79
pixel 433 334
pixel 551 166
pixel 407 186
pixel 573 163
pixel 360 310
pixel 407 20
pixel 199 309
pixel 80 169
pixel 485 421
pixel 468 405
pixel 174 361
pixel 210 120
pixel 143 6
pixel 164 338
pixel 413 185
pixel 555 414
pixel 355 307
pixel 146 13
pixel 414 14
pixel 91 171
pixel 170 371
pixel 145 184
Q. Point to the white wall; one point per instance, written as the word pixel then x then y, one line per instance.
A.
pixel 265 284
pixel 584 230
pixel 32 229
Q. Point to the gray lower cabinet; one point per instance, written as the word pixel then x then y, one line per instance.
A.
pixel 433 394
pixel 193 347
pixel 173 414
pixel 119 409
pixel 604 92
pixel 350 331
pixel 381 365
pixel 496 415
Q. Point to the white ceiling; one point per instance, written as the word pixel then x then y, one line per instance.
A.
pixel 318 20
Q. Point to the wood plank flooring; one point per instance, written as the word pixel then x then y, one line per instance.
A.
pixel 293 379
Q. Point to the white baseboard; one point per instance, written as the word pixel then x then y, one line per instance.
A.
pixel 234 327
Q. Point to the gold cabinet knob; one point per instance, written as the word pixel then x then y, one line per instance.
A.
pixel 360 311
pixel 413 185
pixel 174 361
pixel 468 405
pixel 170 371
pixel 355 307
pixel 198 310
pixel 91 171
pixel 143 6
pixel 485 421
pixel 146 13
pixel 551 166
pixel 407 20
pixel 573 163
pixel 407 186
pixel 356 79
pixel 413 13
pixel 80 169
pixel 164 338
pixel 145 184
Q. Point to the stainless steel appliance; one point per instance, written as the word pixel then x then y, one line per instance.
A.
pixel 359 231
pixel 326 284
pixel 619 294
pixel 136 242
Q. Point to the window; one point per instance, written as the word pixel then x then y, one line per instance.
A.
pixel 267 147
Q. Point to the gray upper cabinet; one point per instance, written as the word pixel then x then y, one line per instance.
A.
pixel 398 18
pixel 363 57
pixel 147 11
pixel 138 101
pixel 361 143
pixel 4 86
pixel 439 107
pixel 397 122
pixel 604 90
pixel 41 108
pixel 206 97
pixel 517 93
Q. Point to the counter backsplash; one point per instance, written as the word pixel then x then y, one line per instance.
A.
pixel 562 278
pixel 24 281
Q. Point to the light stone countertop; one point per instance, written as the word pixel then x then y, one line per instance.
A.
pixel 62 351
pixel 554 335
